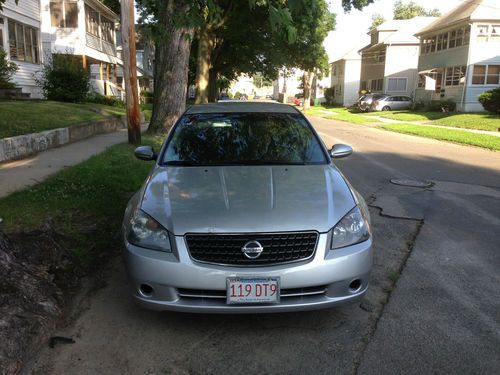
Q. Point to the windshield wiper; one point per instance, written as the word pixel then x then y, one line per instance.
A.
pixel 269 162
pixel 180 163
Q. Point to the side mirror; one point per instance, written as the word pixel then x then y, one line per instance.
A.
pixel 145 153
pixel 340 151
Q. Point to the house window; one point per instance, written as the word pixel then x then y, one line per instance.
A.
pixel 466 35
pixel 460 37
pixel 334 70
pixel 439 42
pixel 453 39
pixel 396 84
pixel 23 42
pixel 455 76
pixel 479 74
pixel 64 13
pixel 377 84
pixel 91 21
pixel 493 76
pixel 482 33
pixel 107 30
pixel 495 33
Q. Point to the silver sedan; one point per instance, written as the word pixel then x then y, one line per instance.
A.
pixel 245 212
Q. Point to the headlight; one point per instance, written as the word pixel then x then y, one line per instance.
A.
pixel 144 231
pixel 352 229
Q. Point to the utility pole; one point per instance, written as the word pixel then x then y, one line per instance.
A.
pixel 130 71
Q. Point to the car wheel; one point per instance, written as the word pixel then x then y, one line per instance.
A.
pixel 386 108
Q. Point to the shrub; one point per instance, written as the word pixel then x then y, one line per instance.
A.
pixel 6 70
pixel 491 100
pixel 237 95
pixel 105 100
pixel 329 95
pixel 441 106
pixel 418 105
pixel 146 97
pixel 63 78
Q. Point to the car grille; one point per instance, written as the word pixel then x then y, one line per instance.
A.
pixel 284 293
pixel 227 248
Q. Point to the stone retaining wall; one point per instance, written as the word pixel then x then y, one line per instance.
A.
pixel 22 146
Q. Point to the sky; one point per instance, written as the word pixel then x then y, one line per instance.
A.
pixel 351 28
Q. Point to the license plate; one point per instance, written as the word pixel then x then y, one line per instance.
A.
pixel 253 290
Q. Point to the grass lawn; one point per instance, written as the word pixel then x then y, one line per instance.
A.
pixel 339 113
pixel 85 203
pixel 480 140
pixel 480 121
pixel 24 117
pixel 410 115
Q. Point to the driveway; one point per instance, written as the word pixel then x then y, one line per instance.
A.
pixel 433 305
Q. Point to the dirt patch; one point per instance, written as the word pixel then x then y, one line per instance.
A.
pixel 36 274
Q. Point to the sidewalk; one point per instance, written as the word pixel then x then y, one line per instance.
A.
pixel 19 174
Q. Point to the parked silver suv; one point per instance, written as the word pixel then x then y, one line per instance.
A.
pixel 391 103
pixel 244 211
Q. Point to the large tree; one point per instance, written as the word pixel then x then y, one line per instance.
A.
pixel 405 11
pixel 377 20
pixel 173 23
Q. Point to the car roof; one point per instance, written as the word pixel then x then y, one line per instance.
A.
pixel 238 106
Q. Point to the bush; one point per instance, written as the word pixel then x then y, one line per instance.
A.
pixel 105 100
pixel 146 97
pixel 6 70
pixel 491 100
pixel 441 106
pixel 237 95
pixel 64 79
pixel 329 95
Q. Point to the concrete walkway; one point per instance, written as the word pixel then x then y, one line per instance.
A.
pixel 19 174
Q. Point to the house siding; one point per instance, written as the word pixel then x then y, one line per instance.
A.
pixel 351 82
pixel 481 53
pixel 26 12
pixel 401 62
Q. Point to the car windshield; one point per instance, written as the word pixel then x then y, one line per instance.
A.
pixel 243 139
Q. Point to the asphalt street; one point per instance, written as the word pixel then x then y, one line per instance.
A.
pixel 433 306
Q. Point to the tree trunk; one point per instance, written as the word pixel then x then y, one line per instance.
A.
pixel 284 81
pixel 130 72
pixel 307 80
pixel 171 68
pixel 212 86
pixel 206 44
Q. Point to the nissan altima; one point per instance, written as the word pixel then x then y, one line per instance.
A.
pixel 244 211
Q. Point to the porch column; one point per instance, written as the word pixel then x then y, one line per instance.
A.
pixel 107 79
pixel 84 61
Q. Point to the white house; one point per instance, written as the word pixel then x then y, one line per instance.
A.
pixel 460 55
pixel 84 28
pixel 20 38
pixel 145 51
pixel 389 63
pixel 345 73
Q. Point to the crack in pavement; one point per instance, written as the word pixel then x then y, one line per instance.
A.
pixel 410 244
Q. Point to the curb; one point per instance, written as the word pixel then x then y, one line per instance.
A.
pixel 22 146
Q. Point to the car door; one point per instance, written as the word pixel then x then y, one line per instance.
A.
pixel 406 102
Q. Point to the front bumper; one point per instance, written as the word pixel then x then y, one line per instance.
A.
pixel 167 274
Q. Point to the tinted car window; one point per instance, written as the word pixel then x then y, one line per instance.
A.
pixel 243 139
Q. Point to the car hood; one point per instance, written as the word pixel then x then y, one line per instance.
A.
pixel 246 198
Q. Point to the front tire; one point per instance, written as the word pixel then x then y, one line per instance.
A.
pixel 386 108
